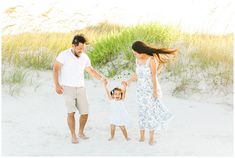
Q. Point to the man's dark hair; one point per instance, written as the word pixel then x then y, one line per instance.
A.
pixel 79 39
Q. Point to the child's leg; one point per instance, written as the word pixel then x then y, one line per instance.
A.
pixel 151 137
pixel 124 132
pixel 141 135
pixel 112 131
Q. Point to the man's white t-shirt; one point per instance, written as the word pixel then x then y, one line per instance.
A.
pixel 72 69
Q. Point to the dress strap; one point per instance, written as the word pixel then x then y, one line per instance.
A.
pixel 148 61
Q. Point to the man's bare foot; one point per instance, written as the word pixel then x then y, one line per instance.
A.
pixel 128 139
pixel 110 138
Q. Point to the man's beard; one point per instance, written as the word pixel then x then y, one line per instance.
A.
pixel 77 55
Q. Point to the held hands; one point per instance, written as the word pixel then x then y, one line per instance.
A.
pixel 59 89
pixel 104 80
pixel 124 83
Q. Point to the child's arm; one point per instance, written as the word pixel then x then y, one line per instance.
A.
pixel 154 74
pixel 123 93
pixel 128 82
pixel 107 91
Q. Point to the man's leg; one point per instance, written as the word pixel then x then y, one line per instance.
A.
pixel 83 120
pixel 71 124
pixel 151 137
pixel 82 105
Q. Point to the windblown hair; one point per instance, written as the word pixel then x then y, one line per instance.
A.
pixel 163 55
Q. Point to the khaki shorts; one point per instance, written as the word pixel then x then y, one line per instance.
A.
pixel 75 99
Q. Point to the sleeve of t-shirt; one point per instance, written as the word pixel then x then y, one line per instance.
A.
pixel 61 58
pixel 88 61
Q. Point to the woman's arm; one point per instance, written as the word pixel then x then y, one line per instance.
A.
pixel 128 82
pixel 153 69
pixel 159 68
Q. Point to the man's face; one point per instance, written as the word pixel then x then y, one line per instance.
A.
pixel 78 49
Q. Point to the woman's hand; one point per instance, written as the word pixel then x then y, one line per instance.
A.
pixel 155 94
pixel 124 83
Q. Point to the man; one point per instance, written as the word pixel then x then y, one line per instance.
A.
pixel 70 65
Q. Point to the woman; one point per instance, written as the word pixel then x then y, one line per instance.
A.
pixel 149 62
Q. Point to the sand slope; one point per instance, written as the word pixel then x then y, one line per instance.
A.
pixel 34 124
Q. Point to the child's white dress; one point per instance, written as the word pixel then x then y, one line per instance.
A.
pixel 118 114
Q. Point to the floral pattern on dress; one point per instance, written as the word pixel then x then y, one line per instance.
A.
pixel 153 114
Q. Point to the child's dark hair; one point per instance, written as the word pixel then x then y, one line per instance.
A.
pixel 80 38
pixel 116 89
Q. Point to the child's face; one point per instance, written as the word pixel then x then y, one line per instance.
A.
pixel 117 95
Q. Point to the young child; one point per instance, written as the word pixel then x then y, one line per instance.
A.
pixel 118 114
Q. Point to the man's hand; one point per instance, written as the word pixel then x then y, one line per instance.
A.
pixel 59 89
pixel 105 81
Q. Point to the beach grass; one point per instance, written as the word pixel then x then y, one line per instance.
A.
pixel 200 57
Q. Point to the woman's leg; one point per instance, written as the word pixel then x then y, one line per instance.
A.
pixel 124 132
pixel 141 135
pixel 151 137
pixel 112 131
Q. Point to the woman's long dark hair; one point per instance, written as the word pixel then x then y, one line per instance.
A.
pixel 163 54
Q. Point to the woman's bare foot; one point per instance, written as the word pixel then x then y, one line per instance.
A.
pixel 83 136
pixel 74 140
pixel 152 142
pixel 110 138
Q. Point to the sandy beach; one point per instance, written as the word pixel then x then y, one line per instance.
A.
pixel 34 124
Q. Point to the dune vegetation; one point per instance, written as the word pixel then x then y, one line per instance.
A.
pixel 204 61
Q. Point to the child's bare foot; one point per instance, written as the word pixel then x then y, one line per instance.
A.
pixel 110 138
pixel 141 140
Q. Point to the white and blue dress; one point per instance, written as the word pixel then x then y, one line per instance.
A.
pixel 152 113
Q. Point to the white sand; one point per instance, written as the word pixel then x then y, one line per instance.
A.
pixel 34 124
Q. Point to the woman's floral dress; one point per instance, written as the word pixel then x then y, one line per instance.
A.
pixel 153 114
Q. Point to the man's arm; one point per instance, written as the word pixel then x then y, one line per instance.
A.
pixel 90 70
pixel 56 69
